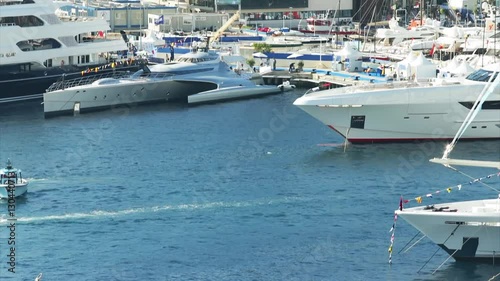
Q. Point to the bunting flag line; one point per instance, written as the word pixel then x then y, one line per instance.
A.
pixel 113 64
pixel 419 199
pixel 392 230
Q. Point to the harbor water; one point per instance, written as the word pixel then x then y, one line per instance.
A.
pixel 245 190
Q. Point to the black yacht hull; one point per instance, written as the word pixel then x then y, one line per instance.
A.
pixel 16 87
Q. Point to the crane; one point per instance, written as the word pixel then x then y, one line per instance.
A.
pixel 225 26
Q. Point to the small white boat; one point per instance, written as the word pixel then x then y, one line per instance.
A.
pixel 286 86
pixel 12 183
pixel 233 92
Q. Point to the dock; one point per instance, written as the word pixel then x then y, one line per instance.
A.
pixel 299 79
pixel 313 78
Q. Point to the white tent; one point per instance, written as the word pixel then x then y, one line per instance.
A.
pixel 259 55
pixel 349 52
pixel 463 69
pixel 351 57
pixel 423 68
pixel 452 65
pixel 403 67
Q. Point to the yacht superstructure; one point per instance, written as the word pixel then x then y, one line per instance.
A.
pixel 39 44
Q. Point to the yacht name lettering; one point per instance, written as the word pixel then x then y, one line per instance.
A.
pixel 6 55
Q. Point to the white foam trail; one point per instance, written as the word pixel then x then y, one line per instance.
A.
pixel 33 179
pixel 101 214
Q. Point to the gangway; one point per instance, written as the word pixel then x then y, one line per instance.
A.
pixel 225 26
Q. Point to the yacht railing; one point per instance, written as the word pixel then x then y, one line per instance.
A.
pixel 62 83
pixel 365 86
pixel 86 80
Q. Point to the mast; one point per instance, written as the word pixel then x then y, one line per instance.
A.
pixel 368 31
pixel 489 88
pixel 333 18
pixel 336 13
pixel 421 12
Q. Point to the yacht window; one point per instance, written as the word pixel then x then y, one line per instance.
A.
pixel 481 75
pixel 22 21
pixel 38 44
pixel 84 59
pixel 48 63
pixel 495 104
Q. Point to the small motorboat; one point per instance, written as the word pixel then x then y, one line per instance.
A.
pixel 12 183
pixel 286 86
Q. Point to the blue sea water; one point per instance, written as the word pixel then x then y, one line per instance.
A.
pixel 245 190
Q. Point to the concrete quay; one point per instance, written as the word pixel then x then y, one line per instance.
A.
pixel 310 78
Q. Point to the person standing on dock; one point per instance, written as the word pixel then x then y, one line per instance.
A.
pixel 172 52
pixel 291 68
pixel 274 64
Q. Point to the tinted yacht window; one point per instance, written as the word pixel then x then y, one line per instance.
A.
pixel 481 75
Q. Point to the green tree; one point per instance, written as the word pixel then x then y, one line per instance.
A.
pixel 300 66
pixel 251 62
pixel 262 47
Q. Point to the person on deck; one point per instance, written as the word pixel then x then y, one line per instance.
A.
pixel 172 52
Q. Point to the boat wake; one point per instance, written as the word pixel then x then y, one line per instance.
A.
pixel 102 214
pixel 35 180
pixel 331 144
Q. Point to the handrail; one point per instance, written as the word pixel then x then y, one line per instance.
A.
pixel 62 84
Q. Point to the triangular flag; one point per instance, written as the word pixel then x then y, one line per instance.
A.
pixel 419 199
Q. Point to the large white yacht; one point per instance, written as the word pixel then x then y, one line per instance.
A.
pixel 466 230
pixel 396 34
pixel 39 43
pixel 432 109
pixel 196 77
